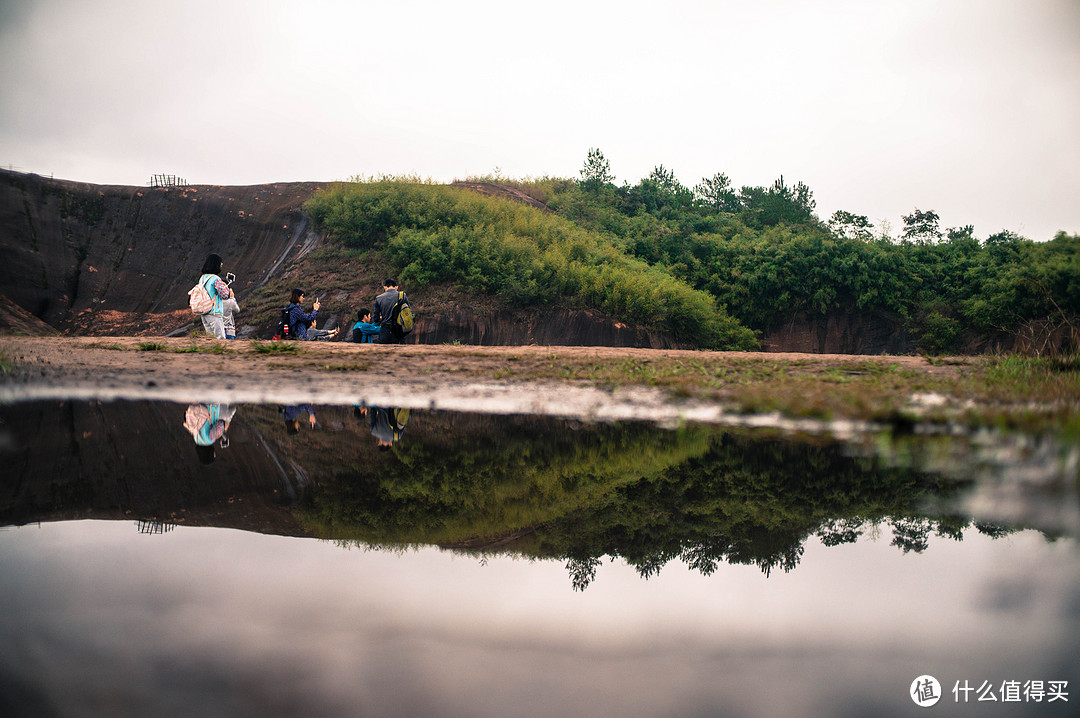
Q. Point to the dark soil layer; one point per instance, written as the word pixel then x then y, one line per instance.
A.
pixel 76 252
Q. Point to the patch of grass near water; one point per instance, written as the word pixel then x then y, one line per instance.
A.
pixel 274 348
pixel 1033 395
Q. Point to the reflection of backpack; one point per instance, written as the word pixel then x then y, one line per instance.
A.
pixel 195 416
pixel 399 418
pixel 284 329
pixel 199 298
pixel 401 317
pixel 396 419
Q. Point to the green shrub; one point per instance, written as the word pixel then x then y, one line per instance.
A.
pixel 527 257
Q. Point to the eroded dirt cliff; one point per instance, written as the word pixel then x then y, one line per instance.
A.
pixel 74 250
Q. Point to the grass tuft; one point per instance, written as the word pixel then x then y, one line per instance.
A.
pixel 274 348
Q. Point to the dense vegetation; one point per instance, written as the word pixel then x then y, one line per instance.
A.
pixel 764 255
pixel 709 262
pixel 434 233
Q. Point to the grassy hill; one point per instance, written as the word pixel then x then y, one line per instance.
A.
pixel 437 235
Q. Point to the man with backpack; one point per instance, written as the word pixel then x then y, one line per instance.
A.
pixel 387 314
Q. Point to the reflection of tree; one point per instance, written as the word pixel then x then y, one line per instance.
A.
pixel 550 488
pixel 993 530
pixel 746 501
pixel 476 481
pixel 911 534
pixel 582 571
pixel 840 531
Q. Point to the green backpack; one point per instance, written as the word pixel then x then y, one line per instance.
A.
pixel 402 316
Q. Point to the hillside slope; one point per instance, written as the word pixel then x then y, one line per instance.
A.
pixel 112 260
pixel 76 252
pixel 115 260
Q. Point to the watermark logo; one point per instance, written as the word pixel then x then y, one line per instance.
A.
pixel 925 691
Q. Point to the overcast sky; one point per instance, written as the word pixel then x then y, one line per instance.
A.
pixel 970 108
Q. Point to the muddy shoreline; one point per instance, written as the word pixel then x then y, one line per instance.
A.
pixel 498 379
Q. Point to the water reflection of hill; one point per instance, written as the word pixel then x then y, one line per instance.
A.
pixel 134 460
pixel 538 487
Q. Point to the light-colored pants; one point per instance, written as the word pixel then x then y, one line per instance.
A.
pixel 229 307
pixel 214 325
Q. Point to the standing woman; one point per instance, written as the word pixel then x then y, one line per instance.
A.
pixel 213 321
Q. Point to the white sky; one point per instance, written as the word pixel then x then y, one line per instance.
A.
pixel 970 108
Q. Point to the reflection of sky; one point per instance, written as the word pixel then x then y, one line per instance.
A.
pixel 97 617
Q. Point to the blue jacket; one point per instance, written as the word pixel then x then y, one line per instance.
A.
pixel 365 332
pixel 299 320
pixel 293 411
pixel 217 290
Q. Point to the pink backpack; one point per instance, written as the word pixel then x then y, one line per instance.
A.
pixel 199 299
pixel 195 416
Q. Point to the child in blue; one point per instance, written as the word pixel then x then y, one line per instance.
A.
pixel 364 332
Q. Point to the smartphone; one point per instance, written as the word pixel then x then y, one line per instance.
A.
pixel 230 278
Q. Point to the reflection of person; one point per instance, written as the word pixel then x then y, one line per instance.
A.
pixel 300 321
pixel 213 321
pixel 387 424
pixel 292 413
pixel 383 313
pixel 207 424
pixel 364 331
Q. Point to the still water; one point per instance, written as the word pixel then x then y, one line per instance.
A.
pixel 160 559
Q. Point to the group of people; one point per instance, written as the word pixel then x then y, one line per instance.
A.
pixel 386 423
pixel 208 423
pixel 374 326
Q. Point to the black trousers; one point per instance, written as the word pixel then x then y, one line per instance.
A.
pixel 387 335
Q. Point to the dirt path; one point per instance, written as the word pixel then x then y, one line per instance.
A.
pixel 589 382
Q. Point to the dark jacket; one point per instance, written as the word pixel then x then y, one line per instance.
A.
pixel 387 424
pixel 299 320
pixel 384 307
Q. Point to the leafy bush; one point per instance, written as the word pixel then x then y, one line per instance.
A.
pixel 764 256
pixel 437 233
pixel 709 263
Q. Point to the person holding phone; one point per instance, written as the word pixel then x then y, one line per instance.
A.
pixel 302 323
pixel 213 321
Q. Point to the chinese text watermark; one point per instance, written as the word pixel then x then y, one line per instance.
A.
pixel 926 690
